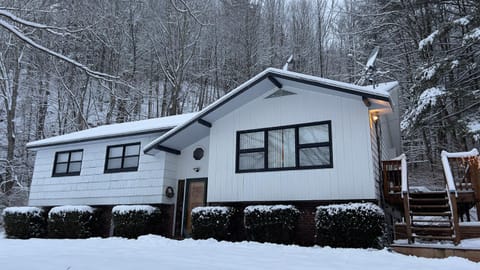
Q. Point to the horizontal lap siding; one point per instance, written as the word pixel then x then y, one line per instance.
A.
pixel 350 178
pixel 95 187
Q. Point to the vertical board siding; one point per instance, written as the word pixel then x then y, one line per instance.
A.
pixel 95 187
pixel 350 178
pixel 186 162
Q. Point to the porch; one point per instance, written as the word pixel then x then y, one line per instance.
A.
pixel 442 217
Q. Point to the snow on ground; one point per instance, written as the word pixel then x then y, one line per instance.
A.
pixel 155 252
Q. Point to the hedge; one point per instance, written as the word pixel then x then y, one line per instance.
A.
pixel 73 222
pixel 131 221
pixel 271 223
pixel 24 222
pixel 212 222
pixel 354 225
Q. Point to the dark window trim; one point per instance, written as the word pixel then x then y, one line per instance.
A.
pixel 122 169
pixel 68 163
pixel 298 146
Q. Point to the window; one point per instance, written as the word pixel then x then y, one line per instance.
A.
pixel 251 153
pixel 122 158
pixel 67 163
pixel 305 146
pixel 198 153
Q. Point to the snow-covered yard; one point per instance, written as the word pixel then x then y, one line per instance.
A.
pixel 154 252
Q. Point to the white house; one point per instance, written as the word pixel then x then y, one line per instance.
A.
pixel 280 137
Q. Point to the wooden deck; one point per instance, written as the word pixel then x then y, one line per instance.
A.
pixel 435 215
pixel 465 201
pixel 437 252
pixel 467 231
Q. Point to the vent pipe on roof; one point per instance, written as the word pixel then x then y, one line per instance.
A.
pixel 289 60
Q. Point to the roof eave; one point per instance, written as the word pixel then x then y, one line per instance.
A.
pixel 34 146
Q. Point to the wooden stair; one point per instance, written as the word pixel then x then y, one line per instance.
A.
pixel 431 218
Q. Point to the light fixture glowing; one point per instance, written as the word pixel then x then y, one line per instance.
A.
pixel 375 118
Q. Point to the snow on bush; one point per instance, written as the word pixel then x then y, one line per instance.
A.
pixel 131 221
pixel 354 225
pixel 23 210
pixel 73 221
pixel 24 222
pixel 271 223
pixel 212 222
pixel 124 209
pixel 65 209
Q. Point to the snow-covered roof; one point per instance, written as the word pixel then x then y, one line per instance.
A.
pixel 198 127
pixel 382 87
pixel 116 130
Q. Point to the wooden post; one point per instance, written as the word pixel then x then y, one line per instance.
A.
pixel 408 223
pixel 456 225
pixel 386 182
pixel 475 180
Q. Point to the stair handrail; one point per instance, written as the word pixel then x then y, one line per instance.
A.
pixel 405 196
pixel 446 166
pixel 403 164
pixel 451 186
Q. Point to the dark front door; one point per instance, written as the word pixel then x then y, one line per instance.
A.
pixel 195 195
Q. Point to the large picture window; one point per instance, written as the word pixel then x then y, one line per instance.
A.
pixel 122 158
pixel 305 146
pixel 67 163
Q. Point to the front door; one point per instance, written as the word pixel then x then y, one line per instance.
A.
pixel 195 195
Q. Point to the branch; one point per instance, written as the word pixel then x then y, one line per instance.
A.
pixel 72 96
pixel 187 10
pixel 20 35
pixel 48 28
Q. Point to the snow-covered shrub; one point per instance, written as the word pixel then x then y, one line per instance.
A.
pixel 24 222
pixel 69 221
pixel 271 223
pixel 353 225
pixel 212 222
pixel 131 221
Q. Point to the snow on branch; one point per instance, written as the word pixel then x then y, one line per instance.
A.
pixel 428 98
pixel 463 21
pixel 474 128
pixel 428 40
pixel 14 30
pixel 474 34
pixel 187 10
pixel 48 28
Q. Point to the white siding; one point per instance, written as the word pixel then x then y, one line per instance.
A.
pixel 350 178
pixel 186 162
pixel 93 186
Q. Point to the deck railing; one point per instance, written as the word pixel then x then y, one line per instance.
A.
pixel 461 174
pixel 392 176
pixel 395 181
